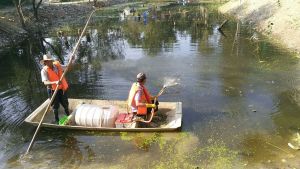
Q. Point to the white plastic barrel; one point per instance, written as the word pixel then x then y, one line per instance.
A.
pixel 95 116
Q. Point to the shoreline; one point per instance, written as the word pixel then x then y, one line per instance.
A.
pixel 52 15
pixel 268 17
pixel 278 20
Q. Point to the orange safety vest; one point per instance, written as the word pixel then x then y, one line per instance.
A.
pixel 52 76
pixel 145 97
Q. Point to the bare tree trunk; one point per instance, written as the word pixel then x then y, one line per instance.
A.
pixel 35 7
pixel 20 12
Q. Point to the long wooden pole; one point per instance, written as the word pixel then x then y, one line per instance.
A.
pixel 62 76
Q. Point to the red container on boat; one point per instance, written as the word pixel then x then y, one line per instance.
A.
pixel 124 120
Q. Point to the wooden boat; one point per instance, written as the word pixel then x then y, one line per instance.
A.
pixel 171 111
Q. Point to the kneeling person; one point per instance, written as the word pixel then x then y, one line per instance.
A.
pixel 139 98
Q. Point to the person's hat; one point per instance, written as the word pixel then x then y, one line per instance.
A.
pixel 140 77
pixel 46 57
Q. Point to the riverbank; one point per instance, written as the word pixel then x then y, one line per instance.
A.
pixel 52 15
pixel 9 26
pixel 279 20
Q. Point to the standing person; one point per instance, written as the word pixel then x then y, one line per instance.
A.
pixel 51 73
pixel 145 16
pixel 139 98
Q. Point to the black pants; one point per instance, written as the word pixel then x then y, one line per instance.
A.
pixel 60 98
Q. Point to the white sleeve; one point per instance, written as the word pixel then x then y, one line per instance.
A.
pixel 44 75
pixel 138 95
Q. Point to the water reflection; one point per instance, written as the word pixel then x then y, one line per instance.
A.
pixel 20 93
pixel 17 86
pixel 54 152
pixel 287 117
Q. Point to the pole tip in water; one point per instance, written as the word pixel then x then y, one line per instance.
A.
pixel 293 147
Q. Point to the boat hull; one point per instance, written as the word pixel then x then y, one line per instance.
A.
pixel 172 111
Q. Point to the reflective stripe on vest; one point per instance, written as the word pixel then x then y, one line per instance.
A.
pixel 52 76
pixel 145 98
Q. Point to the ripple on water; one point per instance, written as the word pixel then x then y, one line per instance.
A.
pixel 13 109
pixel 11 146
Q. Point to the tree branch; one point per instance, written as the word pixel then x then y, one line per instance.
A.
pixel 54 50
pixel 20 12
pixel 221 26
pixel 39 4
pixel 35 7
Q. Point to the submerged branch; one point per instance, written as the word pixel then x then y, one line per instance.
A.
pixel 221 26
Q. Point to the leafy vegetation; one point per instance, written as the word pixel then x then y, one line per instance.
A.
pixel 183 151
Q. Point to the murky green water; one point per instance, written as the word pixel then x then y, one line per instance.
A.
pixel 240 96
